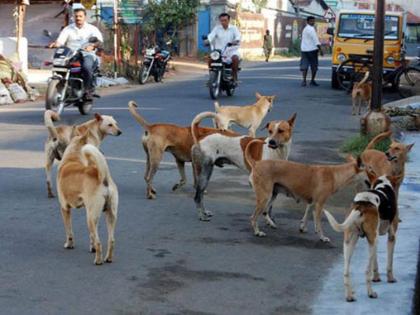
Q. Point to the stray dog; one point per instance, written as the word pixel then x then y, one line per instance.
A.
pixel 373 213
pixel 390 163
pixel 313 184
pixel 158 138
pixel 59 137
pixel 219 149
pixel 362 92
pixel 249 117
pixel 84 180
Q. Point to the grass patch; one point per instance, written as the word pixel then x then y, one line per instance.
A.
pixel 357 144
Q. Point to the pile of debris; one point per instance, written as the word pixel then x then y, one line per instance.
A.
pixel 405 114
pixel 14 85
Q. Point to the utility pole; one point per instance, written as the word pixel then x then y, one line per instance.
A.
pixel 375 120
pixel 378 56
pixel 115 27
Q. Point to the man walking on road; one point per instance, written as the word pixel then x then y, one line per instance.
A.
pixel 310 47
pixel 268 45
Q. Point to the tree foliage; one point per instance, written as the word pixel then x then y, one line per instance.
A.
pixel 260 4
pixel 164 14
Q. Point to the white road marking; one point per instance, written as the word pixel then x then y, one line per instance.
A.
pixel 72 109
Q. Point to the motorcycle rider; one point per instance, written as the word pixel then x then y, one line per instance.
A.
pixel 228 35
pixel 76 36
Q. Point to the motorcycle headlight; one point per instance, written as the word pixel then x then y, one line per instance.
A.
pixel 390 60
pixel 214 55
pixel 341 57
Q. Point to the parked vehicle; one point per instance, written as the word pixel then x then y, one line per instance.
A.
pixel 220 73
pixel 353 40
pixel 155 61
pixel 66 86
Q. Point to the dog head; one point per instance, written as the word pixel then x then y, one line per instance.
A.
pixel 266 100
pixel 398 152
pixel 108 125
pixel 280 132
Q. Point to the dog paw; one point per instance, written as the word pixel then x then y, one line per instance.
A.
pixel 151 196
pixel 68 245
pixel 350 299
pixel 92 249
pixel 303 229
pixel 108 260
pixel 391 279
pixel 208 213
pixel 325 239
pixel 176 187
pixel 51 195
pixel 376 279
pixel 260 234
pixel 98 262
pixel 373 295
pixel 204 218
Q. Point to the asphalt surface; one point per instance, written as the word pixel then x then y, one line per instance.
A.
pixel 166 260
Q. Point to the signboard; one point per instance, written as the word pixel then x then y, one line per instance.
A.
pixel 130 11
pixel 252 27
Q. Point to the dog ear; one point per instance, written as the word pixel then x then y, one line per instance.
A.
pixel 266 126
pixel 98 117
pixel 291 120
pixel 371 175
pixel 258 95
pixel 409 147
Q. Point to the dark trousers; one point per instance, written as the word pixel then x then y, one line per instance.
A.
pixel 89 63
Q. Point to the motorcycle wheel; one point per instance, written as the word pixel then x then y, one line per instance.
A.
pixel 143 74
pixel 159 74
pixel 53 93
pixel 214 87
pixel 85 107
pixel 230 90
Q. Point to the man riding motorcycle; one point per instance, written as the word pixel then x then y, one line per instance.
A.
pixel 227 36
pixel 76 36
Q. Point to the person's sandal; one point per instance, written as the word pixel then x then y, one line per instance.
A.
pixel 313 83
pixel 303 83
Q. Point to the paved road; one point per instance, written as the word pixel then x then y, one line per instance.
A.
pixel 166 261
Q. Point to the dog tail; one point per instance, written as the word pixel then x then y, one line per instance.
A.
pixel 378 138
pixel 249 159
pixel 196 122
pixel 91 156
pixel 350 220
pixel 216 106
pixel 49 117
pixel 132 108
pixel 365 78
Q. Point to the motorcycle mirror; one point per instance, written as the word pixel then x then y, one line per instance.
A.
pixel 204 37
pixel 47 33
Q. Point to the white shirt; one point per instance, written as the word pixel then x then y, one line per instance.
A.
pixel 309 39
pixel 75 38
pixel 220 37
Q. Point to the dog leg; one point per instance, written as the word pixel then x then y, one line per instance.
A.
pixel 66 213
pixel 93 212
pixel 252 131
pixel 267 214
pixel 262 202
pixel 204 169
pixel 181 168
pixel 390 250
pixel 369 271
pixel 155 156
pixel 303 223
pixel 376 275
pixel 49 161
pixel 111 219
pixel 353 110
pixel 350 240
pixel 317 220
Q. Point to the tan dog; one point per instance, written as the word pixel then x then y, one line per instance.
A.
pixel 362 92
pixel 313 184
pixel 373 213
pixel 249 117
pixel 59 137
pixel 84 180
pixel 160 138
pixel 391 163
pixel 227 148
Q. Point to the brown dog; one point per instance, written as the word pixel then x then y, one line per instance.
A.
pixel 313 184
pixel 249 117
pixel 227 148
pixel 160 138
pixel 362 92
pixel 374 213
pixel 59 137
pixel 84 180
pixel 391 163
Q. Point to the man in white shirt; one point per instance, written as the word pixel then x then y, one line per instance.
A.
pixel 76 36
pixel 227 38
pixel 310 47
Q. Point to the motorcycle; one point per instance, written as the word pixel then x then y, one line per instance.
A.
pixel 220 72
pixel 66 86
pixel 154 63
